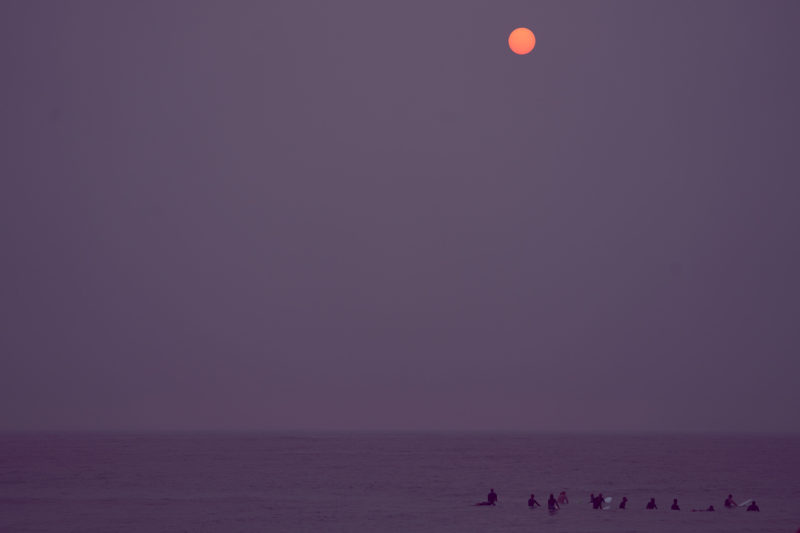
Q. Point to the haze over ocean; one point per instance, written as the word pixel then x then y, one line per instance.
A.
pixel 346 265
pixel 350 215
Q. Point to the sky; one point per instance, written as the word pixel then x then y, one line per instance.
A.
pixel 362 215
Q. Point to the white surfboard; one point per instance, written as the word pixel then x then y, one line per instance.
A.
pixel 745 503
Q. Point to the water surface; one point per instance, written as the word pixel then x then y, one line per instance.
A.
pixel 421 482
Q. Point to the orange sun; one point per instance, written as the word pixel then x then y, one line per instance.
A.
pixel 521 41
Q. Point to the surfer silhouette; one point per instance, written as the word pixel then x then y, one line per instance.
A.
pixel 675 506
pixel 623 503
pixel 598 501
pixel 552 504
pixel 532 502
pixel 651 504
pixel 491 498
pixel 729 501
pixel 753 507
pixel 562 498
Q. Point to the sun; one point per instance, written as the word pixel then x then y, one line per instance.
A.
pixel 521 41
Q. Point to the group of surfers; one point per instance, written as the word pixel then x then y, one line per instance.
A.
pixel 554 504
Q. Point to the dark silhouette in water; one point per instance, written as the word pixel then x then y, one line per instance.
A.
pixel 562 498
pixel 710 508
pixel 623 502
pixel 729 501
pixel 651 504
pixel 675 506
pixel 598 501
pixel 753 507
pixel 491 498
pixel 552 504
pixel 532 502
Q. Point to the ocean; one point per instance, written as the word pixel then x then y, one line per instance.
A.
pixel 415 482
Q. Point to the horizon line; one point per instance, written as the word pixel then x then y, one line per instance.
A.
pixel 610 432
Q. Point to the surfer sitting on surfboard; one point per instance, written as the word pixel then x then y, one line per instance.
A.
pixel 532 502
pixel 675 506
pixel 491 499
pixel 729 503
pixel 651 504
pixel 552 504
pixel 754 507
pixel 562 498
pixel 623 503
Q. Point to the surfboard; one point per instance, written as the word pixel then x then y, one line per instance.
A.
pixel 745 503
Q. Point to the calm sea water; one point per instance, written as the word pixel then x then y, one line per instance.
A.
pixel 361 482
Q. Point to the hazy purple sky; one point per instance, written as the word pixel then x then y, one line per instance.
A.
pixel 372 215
